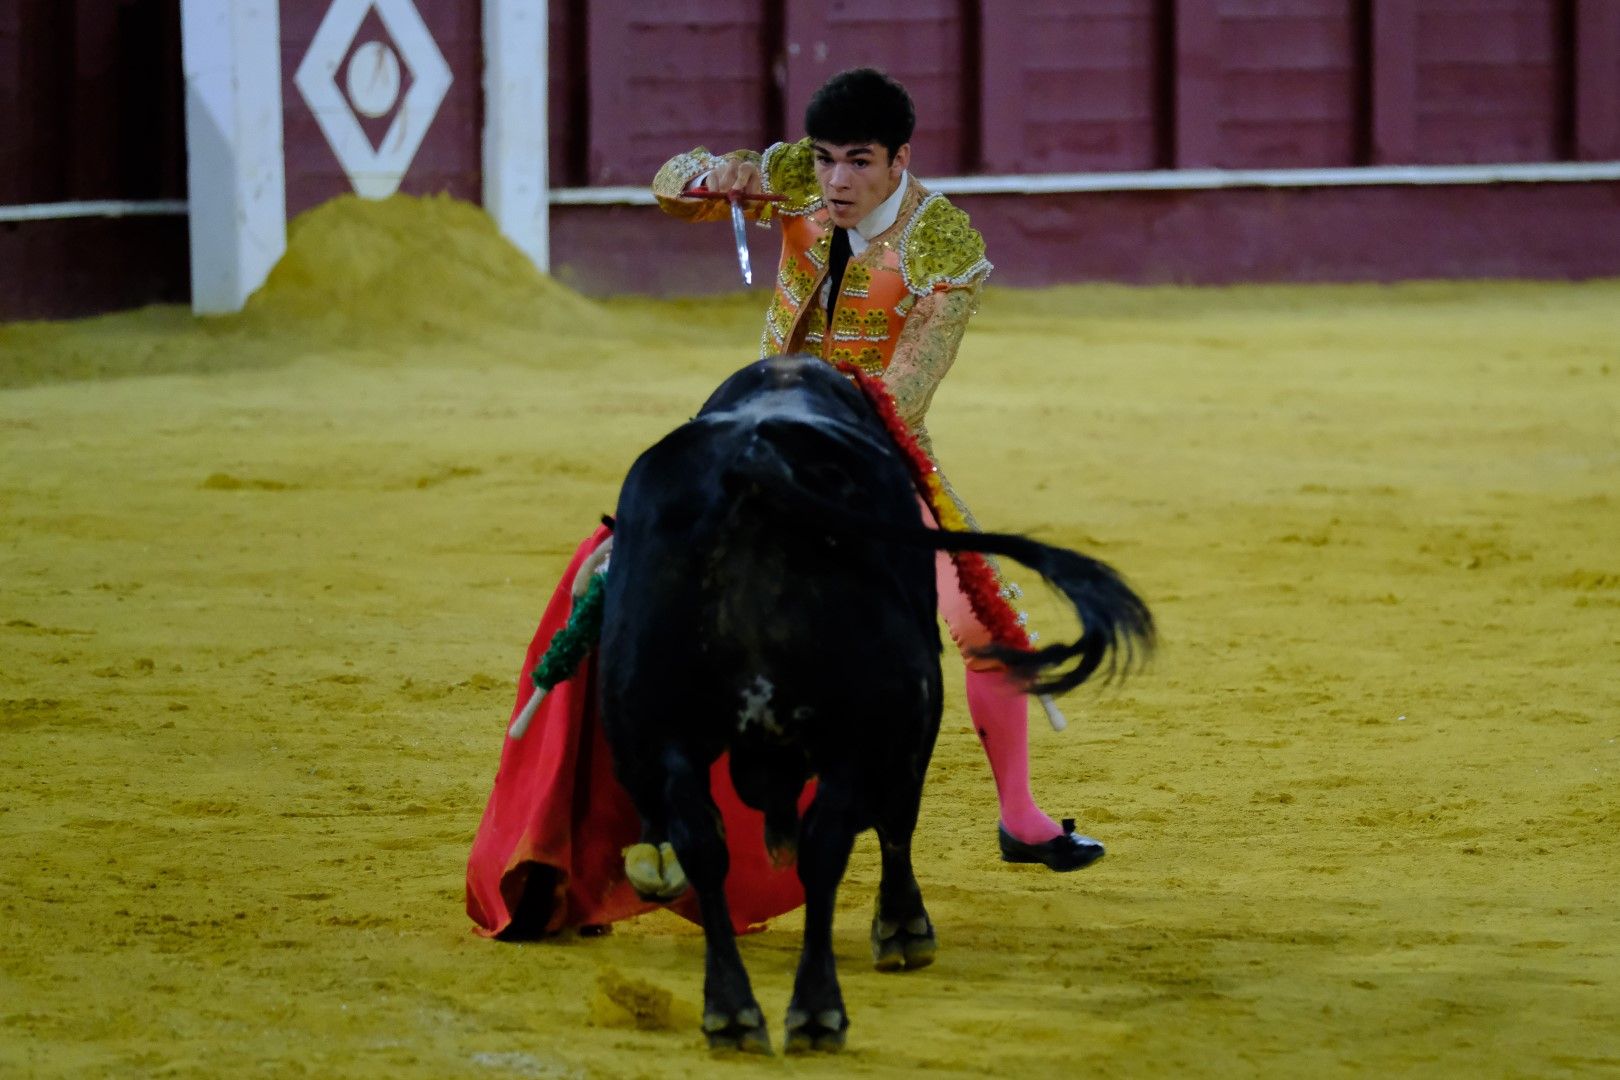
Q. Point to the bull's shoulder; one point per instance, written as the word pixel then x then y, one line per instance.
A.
pixel 940 248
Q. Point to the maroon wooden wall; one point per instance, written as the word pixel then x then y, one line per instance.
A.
pixel 1043 86
pixel 90 101
pixel 91 108
pixel 1057 86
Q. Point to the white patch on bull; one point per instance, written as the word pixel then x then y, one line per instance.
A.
pixel 756 708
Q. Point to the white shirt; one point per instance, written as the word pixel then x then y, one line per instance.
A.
pixel 878 221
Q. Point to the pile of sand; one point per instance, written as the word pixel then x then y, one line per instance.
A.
pixel 405 264
pixel 360 276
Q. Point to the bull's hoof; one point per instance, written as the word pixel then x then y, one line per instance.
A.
pixel 654 872
pixel 824 1032
pixel 903 946
pixel 743 1031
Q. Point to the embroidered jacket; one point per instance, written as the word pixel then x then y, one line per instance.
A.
pixel 904 301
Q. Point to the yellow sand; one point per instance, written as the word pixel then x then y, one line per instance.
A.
pixel 267 581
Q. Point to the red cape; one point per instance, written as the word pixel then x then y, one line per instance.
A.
pixel 559 818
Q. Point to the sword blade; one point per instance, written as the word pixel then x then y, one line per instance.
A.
pixel 739 232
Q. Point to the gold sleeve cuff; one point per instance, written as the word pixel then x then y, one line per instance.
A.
pixel 678 173
pixel 927 349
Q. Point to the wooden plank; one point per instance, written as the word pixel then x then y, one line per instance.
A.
pixel 807 58
pixel 568 68
pixel 43 75
pixel 94 110
pixel 1393 64
pixel 1597 80
pixel 1491 85
pixel 610 111
pixel 12 156
pixel 1002 124
pixel 1195 103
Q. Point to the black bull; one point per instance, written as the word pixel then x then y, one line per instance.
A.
pixel 772 593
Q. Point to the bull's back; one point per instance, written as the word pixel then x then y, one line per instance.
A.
pixel 763 625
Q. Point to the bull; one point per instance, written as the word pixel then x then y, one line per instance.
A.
pixel 772 594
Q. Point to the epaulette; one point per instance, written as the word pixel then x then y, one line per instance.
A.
pixel 790 169
pixel 939 248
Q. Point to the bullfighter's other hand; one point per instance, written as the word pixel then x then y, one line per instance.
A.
pixel 593 562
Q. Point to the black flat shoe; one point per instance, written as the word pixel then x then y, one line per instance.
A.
pixel 1069 851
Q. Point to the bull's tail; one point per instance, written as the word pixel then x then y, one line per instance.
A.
pixel 1117 628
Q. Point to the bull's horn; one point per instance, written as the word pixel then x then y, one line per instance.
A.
pixel 530 707
pixel 1053 715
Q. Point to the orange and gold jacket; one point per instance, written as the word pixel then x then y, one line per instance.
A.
pixel 904 301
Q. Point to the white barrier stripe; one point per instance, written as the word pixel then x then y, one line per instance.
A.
pixel 104 208
pixel 1195 180
pixel 1053 184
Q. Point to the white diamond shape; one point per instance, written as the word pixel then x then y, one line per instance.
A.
pixel 375 172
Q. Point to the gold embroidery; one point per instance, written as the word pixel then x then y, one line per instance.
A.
pixel 817 252
pixel 857 279
pixel 926 350
pixel 847 324
pixel 796 283
pixel 817 326
pixel 790 169
pixel 679 171
pixel 780 319
pixel 869 359
pixel 939 248
pixel 877 326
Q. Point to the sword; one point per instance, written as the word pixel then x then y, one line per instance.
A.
pixel 738 231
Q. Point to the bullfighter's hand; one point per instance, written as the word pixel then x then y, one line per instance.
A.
pixel 731 175
pixel 592 563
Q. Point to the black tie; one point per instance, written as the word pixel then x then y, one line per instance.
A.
pixel 838 258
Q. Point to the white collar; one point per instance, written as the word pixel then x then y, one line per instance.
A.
pixel 880 220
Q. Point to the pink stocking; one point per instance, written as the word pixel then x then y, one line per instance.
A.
pixel 1000 713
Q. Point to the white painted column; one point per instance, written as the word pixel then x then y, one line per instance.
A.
pixel 516 182
pixel 235 172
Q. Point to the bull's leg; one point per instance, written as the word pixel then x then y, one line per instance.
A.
pixel 902 934
pixel 816 1019
pixel 731 1017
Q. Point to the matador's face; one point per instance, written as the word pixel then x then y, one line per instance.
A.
pixel 855 178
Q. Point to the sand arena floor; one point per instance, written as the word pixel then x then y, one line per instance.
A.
pixel 267 581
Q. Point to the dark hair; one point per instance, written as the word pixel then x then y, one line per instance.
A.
pixel 861 105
